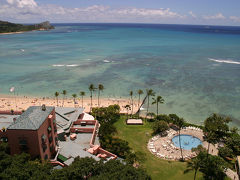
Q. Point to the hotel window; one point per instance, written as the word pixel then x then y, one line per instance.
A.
pixel 56 141
pixel 23 145
pixel 51 148
pixel 50 139
pixel 43 138
pixel 49 129
pixel 55 128
pixel 44 147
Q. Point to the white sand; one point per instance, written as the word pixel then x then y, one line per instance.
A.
pixel 22 103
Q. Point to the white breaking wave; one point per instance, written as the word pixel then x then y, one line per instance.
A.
pixel 58 65
pixel 229 61
pixel 67 65
pixel 72 65
pixel 106 61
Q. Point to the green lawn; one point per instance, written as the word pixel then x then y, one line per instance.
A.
pixel 138 136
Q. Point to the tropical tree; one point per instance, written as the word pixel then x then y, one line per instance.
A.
pixel 82 93
pixel 216 128
pixel 91 89
pixel 193 165
pixel 158 100
pixel 131 96
pixel 127 107
pixel 163 117
pixel 100 88
pixel 64 92
pixel 211 138
pixel 212 167
pixel 160 127
pixel 152 115
pixel 140 92
pixel 74 98
pixel 218 125
pixel 56 95
pixel 149 92
pixel 179 122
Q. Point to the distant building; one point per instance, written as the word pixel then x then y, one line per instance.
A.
pixel 34 132
pixel 57 134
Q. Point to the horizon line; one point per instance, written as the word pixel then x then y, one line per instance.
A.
pixel 140 23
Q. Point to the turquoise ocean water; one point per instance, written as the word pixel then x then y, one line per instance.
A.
pixel 195 68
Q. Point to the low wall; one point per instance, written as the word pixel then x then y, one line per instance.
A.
pixel 81 130
pixel 57 163
pixel 88 122
pixel 103 151
pixel 94 134
pixel 10 113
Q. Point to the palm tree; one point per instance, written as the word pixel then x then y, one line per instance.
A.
pixel 215 128
pixel 56 95
pixel 150 92
pixel 74 98
pixel 91 89
pixel 131 95
pixel 151 114
pixel 64 94
pixel 180 123
pixel 128 107
pixel 82 93
pixel 140 92
pixel 194 164
pixel 210 137
pixel 158 100
pixel 100 88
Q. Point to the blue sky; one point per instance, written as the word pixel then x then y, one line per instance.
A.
pixel 215 12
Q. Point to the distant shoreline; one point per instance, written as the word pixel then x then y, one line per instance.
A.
pixel 20 32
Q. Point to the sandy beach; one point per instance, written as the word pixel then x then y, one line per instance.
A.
pixel 22 103
pixel 19 32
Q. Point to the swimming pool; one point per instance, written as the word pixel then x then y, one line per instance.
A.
pixel 187 141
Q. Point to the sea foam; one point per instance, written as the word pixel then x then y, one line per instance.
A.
pixel 72 65
pixel 106 61
pixel 228 61
pixel 58 65
pixel 67 65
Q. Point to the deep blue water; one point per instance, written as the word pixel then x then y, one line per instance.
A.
pixel 195 68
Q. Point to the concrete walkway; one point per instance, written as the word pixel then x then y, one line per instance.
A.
pixel 231 174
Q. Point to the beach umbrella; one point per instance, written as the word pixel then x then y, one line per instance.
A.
pixel 12 89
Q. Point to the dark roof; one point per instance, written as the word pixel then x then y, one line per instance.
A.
pixel 32 118
pixel 6 120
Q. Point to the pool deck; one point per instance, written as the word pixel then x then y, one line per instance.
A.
pixel 163 147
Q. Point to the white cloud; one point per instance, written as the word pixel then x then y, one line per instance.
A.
pixel 30 11
pixel 164 13
pixel 215 17
pixel 235 18
pixel 22 3
pixel 192 14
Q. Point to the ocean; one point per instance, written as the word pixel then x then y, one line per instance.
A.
pixel 196 69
